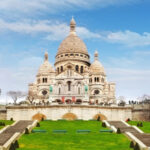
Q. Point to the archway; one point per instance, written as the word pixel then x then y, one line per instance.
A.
pixel 69 116
pixel 78 101
pixel 69 101
pixel 38 117
pixel 102 117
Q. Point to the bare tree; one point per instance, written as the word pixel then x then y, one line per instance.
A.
pixel 15 95
pixel 31 96
pixel 121 100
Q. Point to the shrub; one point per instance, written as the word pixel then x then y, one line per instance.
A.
pixel 11 119
pixel 118 131
pixel 12 147
pixel 104 124
pixel 141 124
pixel 98 118
pixel 42 119
pixel 136 147
pixel 16 144
pixel 38 124
pixel 2 124
pixel 138 124
pixel 26 131
pixel 131 144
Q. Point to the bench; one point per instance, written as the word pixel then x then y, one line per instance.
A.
pixel 59 131
pixel 38 131
pixel 83 131
pixel 106 131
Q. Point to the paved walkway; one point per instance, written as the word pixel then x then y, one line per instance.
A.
pixel 145 138
pixel 10 131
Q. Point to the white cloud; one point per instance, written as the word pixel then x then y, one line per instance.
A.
pixel 129 38
pixel 53 6
pixel 56 30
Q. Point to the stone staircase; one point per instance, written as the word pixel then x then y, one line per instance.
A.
pixel 144 138
pixel 10 131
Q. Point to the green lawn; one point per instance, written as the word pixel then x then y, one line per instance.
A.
pixel 73 140
pixel 145 128
pixel 7 122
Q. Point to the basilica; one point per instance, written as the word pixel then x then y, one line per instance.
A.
pixel 74 80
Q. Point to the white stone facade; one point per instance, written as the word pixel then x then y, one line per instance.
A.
pixel 74 79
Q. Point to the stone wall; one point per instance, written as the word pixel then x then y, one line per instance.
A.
pixel 3 114
pixel 56 112
pixel 141 112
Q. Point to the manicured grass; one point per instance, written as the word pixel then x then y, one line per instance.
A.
pixel 145 128
pixel 72 140
pixel 7 122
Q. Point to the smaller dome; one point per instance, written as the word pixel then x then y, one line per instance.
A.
pixel 96 66
pixel 46 67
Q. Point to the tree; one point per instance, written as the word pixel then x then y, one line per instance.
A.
pixel 31 96
pixel 121 100
pixel 15 95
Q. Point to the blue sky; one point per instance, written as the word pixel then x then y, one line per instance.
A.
pixel 118 29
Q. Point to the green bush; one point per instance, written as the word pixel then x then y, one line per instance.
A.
pixel 16 144
pixel 11 119
pixel 141 124
pixel 103 124
pixel 118 131
pixel 12 147
pixel 137 147
pixel 98 118
pixel 2 124
pixel 26 131
pixel 38 124
pixel 138 124
pixel 131 144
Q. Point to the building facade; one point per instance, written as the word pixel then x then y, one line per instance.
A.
pixel 74 79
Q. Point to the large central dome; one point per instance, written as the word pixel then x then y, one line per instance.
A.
pixel 72 43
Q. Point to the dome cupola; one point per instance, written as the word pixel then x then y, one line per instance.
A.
pixel 46 67
pixel 72 45
pixel 96 67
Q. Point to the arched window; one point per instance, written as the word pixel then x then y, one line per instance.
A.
pixel 81 69
pixel 59 91
pixel 79 90
pixel 61 68
pixel 77 68
pixel 69 85
pixel 58 70
pixel 44 80
pixel 95 79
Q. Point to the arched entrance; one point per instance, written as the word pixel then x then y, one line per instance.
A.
pixel 69 101
pixel 69 116
pixel 78 101
pixel 38 117
pixel 102 117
